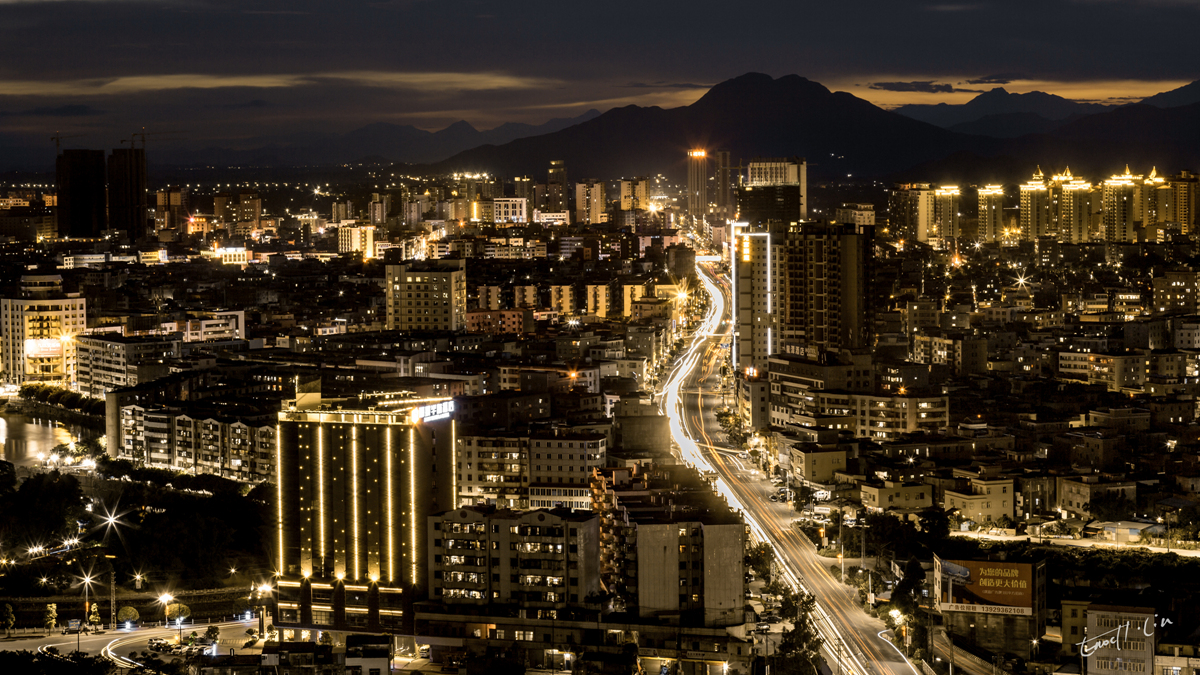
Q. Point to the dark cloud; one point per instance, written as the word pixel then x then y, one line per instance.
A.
pixel 233 68
pixel 998 79
pixel 927 87
pixel 57 111
pixel 666 85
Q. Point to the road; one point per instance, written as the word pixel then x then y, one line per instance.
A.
pixel 1082 543
pixel 854 642
pixel 116 645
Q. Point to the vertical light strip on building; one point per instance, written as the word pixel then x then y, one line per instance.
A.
pixel 354 498
pixel 321 492
pixel 454 463
pixel 279 491
pixel 412 498
pixel 391 512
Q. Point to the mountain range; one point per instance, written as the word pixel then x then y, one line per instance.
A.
pixel 840 134
pixel 381 142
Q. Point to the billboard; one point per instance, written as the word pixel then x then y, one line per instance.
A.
pixel 43 349
pixel 984 586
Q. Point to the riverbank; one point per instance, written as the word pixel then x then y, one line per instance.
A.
pixel 73 418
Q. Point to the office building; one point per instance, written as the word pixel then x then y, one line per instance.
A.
pixel 38 342
pixel 355 488
pixel 910 207
pixel 697 187
pixel 427 295
pixel 590 202
pixel 991 213
pixel 635 194
pixel 80 181
pixel 1036 217
pixel 510 210
pixel 946 214
pixel 128 207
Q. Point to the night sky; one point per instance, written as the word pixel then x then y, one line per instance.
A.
pixel 227 71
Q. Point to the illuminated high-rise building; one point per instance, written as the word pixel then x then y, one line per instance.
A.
pixel 590 201
pixel 946 214
pixel 1119 202
pixel 354 490
pixel 911 209
pixel 991 212
pixel 635 193
pixel 755 266
pixel 697 187
pixel 38 340
pixel 1036 219
pixel 1185 192
pixel 1074 213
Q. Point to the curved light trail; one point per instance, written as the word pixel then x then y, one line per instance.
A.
pixel 850 636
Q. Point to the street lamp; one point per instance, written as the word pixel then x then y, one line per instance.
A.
pixel 87 584
pixel 166 599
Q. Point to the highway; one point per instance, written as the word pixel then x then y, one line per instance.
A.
pixel 116 645
pixel 691 396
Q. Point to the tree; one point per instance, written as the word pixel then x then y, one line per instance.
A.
pixel 178 610
pixel 759 558
pixel 1111 506
pixel 904 596
pixel 789 605
pixel 935 526
pixel 127 613
pixel 94 614
pixel 326 638
pixel 212 634
pixel 7 619
pixel 50 616
pixel 799 650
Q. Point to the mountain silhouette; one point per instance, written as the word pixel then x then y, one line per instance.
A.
pixel 998 101
pixel 750 116
pixel 1185 95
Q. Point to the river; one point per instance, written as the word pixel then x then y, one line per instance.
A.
pixel 23 437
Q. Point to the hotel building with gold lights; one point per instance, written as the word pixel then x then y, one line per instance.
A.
pixel 356 484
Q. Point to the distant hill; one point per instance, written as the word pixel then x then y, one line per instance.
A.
pixel 1010 125
pixel 751 115
pixel 1185 95
pixel 998 101
pixel 382 141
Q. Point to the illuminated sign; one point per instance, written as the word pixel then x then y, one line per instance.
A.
pixel 985 587
pixel 43 349
pixel 433 411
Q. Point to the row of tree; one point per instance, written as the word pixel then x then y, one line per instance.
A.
pixel 63 398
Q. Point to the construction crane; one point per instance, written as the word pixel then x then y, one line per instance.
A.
pixel 143 134
pixel 58 138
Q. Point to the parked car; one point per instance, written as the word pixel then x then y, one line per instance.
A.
pixel 763 627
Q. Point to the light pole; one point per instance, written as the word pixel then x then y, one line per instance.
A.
pixel 166 599
pixel 87 583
